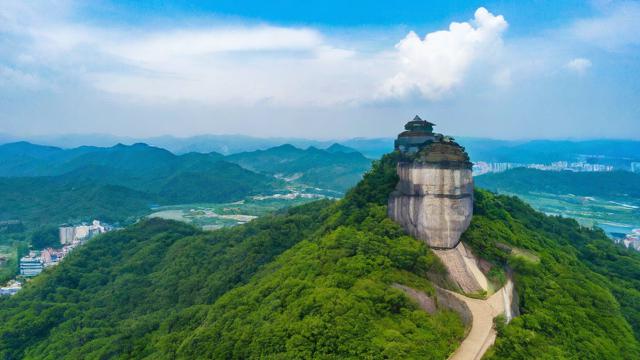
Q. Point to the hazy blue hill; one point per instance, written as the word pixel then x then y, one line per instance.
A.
pixel 138 166
pixel 27 149
pixel 136 158
pixel 26 159
pixel 196 158
pixel 616 184
pixel 224 144
pixel 339 148
pixel 330 170
pixel 546 151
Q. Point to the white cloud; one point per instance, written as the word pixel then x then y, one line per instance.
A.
pixel 160 75
pixel 244 64
pixel 200 42
pixel 615 29
pixel 438 63
pixel 579 65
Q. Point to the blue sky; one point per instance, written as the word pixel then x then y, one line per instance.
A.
pixel 320 69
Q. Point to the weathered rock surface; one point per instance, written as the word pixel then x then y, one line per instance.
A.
pixel 463 269
pixel 433 203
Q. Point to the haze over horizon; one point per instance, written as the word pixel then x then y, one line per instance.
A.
pixel 105 138
pixel 490 69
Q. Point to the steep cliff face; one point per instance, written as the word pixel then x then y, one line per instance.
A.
pixel 433 202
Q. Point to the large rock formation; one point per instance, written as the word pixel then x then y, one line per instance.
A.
pixel 433 200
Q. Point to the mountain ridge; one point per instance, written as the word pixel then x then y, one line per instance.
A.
pixel 329 292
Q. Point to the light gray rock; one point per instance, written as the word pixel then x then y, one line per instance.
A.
pixel 463 269
pixel 433 203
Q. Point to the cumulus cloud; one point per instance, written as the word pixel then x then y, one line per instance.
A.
pixel 242 64
pixel 434 65
pixel 579 65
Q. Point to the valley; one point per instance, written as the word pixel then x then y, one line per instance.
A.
pixel 216 215
pixel 44 186
pixel 614 217
pixel 609 201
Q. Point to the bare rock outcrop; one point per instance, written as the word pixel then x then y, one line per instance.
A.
pixel 463 269
pixel 433 200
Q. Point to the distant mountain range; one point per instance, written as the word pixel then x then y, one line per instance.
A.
pixel 46 184
pixel 611 152
pixel 223 144
pixel 338 168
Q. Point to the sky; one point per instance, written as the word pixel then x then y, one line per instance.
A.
pixel 320 69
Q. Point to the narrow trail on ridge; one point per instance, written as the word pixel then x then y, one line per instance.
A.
pixel 481 333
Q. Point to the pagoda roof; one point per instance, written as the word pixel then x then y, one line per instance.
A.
pixel 417 119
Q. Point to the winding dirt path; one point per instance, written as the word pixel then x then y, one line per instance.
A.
pixel 481 334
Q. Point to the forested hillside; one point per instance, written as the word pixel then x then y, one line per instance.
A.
pixel 616 184
pixel 315 282
pixel 113 184
pixel 109 294
pixel 51 201
pixel 43 184
pixel 337 168
pixel 576 287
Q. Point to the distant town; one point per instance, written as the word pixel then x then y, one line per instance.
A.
pixel 631 240
pixel 71 236
pixel 481 167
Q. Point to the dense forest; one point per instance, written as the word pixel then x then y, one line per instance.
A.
pixel 315 282
pixel 337 168
pixel 578 291
pixel 49 185
pixel 44 185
